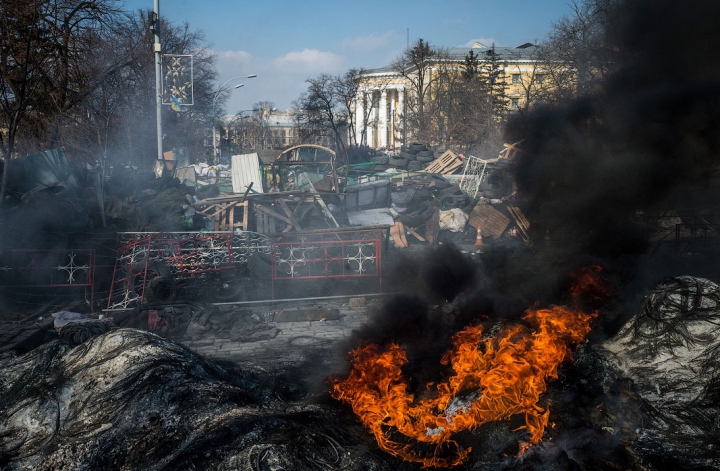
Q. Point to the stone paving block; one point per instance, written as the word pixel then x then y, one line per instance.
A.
pixel 357 302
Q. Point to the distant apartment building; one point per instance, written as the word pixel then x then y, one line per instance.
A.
pixel 267 129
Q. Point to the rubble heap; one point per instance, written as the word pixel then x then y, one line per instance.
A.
pixel 132 400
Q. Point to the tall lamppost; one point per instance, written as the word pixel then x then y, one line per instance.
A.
pixel 219 90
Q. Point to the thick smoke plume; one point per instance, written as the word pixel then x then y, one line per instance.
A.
pixel 644 144
pixel 594 178
pixel 594 175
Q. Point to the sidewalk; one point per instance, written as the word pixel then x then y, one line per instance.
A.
pixel 294 343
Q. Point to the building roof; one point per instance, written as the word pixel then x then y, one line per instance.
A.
pixel 281 120
pixel 523 52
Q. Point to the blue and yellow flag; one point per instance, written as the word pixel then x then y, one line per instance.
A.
pixel 176 105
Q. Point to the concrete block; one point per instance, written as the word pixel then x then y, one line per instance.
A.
pixel 357 302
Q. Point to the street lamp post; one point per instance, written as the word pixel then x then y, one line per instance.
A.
pixel 219 90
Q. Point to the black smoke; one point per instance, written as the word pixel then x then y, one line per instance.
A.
pixel 597 172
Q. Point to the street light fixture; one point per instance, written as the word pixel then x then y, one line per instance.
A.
pixel 219 90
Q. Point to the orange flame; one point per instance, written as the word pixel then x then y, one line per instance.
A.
pixel 507 373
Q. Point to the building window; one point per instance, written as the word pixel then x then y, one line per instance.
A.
pixel 514 104
pixel 539 79
pixel 515 79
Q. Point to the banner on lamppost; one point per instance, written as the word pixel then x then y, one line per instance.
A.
pixel 178 81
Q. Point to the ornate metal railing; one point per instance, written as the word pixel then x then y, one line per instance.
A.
pixel 185 255
pixel 356 254
pixel 49 269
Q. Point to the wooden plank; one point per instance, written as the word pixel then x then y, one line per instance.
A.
pixel 272 213
pixel 319 200
pixel 490 221
pixel 244 206
pixel 265 223
pixel 415 234
pixel 432 225
pixel 519 217
pixel 398 234
pixel 290 214
pixel 521 222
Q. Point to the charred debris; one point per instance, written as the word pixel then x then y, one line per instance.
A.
pixel 157 328
pixel 140 335
pixel 230 232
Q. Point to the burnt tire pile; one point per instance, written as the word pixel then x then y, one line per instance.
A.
pixel 413 157
pixel 151 405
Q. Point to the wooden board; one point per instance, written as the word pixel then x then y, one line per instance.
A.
pixel 398 234
pixel 445 164
pixel 432 225
pixel 227 215
pixel 521 222
pixel 265 223
pixel 491 221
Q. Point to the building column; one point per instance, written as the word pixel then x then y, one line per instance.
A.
pixel 383 121
pixel 359 114
pixel 401 114
pixel 371 119
pixel 392 120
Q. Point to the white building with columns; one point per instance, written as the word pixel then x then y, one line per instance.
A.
pixel 380 106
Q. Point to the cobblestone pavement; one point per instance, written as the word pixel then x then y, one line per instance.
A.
pixel 322 341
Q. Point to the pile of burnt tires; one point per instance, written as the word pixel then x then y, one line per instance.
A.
pixel 415 156
pixel 382 162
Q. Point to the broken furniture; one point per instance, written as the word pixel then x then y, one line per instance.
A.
pixel 475 170
pixel 228 213
pixel 368 195
pixel 287 170
pixel 268 208
pixel 278 213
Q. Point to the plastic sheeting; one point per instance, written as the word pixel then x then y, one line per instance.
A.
pixel 41 170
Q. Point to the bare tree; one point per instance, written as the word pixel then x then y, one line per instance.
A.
pixel 466 112
pixel 253 131
pixel 117 120
pixel 43 70
pixel 323 113
pixel 535 80
pixel 576 57
pixel 424 67
pixel 347 90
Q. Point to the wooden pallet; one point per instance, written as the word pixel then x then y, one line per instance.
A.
pixel 490 221
pixel 445 164
pixel 521 222
pixel 228 214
